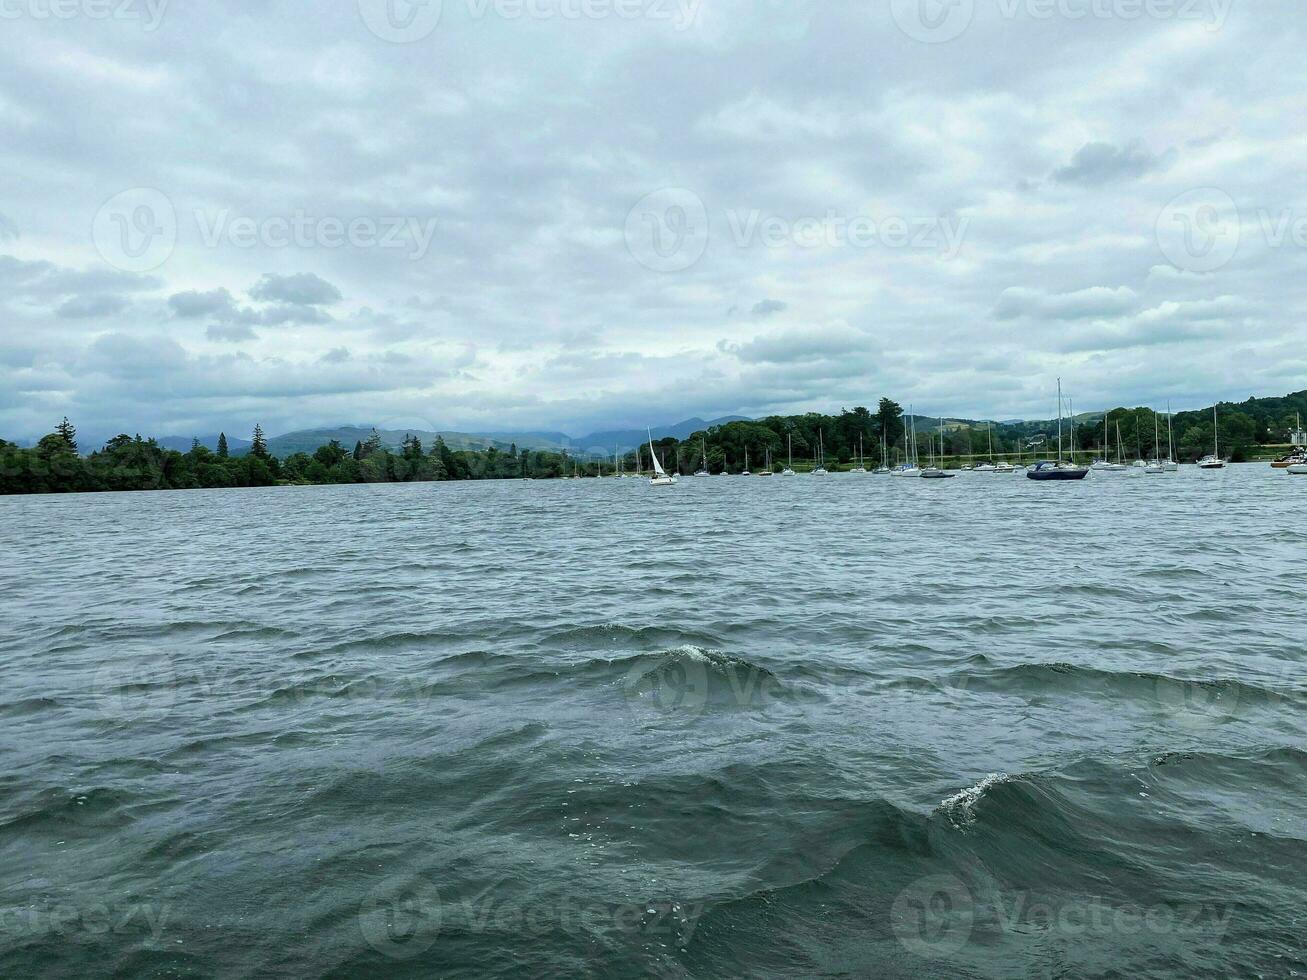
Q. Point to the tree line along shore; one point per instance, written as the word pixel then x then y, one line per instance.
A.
pixel 1256 429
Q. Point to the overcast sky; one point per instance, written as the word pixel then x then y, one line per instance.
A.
pixel 573 214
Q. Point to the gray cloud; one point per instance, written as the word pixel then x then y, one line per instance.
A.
pixel 86 307
pixel 192 303
pixel 301 289
pixel 527 307
pixel 1095 164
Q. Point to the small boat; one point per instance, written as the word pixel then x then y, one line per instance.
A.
pixel 661 478
pixel 909 466
pixel 1004 467
pixel 1169 464
pixel 883 468
pixel 767 470
pixel 860 468
pixel 988 465
pixel 820 469
pixel 745 471
pixel 703 470
pixel 1048 470
pixel 1298 469
pixel 1214 460
pixel 789 467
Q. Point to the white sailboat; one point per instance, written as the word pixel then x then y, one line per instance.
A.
pixel 909 465
pixel 820 468
pixel 703 469
pixel 661 477
pixel 883 468
pixel 1155 464
pixel 1214 461
pixel 767 470
pixel 860 468
pixel 988 465
pixel 745 471
pixel 1169 464
pixel 789 467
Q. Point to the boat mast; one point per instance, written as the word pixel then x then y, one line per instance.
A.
pixel 1072 406
pixel 1216 435
pixel 1059 420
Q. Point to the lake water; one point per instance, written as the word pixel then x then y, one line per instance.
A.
pixel 850 725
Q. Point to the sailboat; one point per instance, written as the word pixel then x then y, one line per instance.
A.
pixel 703 470
pixel 745 471
pixel 820 468
pixel 988 465
pixel 883 468
pixel 1046 470
pixel 933 472
pixel 789 467
pixel 1214 461
pixel 1156 465
pixel 767 470
pixel 909 465
pixel 1169 464
pixel 661 478
pixel 1105 464
pixel 860 468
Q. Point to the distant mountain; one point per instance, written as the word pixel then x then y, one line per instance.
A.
pixel 595 444
pixel 307 440
pixel 603 443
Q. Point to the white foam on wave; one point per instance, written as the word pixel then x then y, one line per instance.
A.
pixel 963 802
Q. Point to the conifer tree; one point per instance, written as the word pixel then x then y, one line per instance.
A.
pixel 258 444
pixel 222 445
pixel 68 432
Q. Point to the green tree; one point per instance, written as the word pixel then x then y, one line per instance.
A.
pixel 222 445
pixel 68 432
pixel 258 444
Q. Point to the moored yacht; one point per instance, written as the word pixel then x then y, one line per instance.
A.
pixel 1061 470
